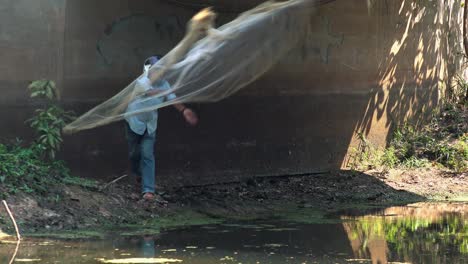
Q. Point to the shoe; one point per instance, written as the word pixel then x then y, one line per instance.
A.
pixel 159 190
pixel 154 197
pixel 148 196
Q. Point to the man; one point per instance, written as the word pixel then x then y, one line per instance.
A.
pixel 141 129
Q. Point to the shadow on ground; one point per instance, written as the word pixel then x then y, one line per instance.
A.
pixel 258 195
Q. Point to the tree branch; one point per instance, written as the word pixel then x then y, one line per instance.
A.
pixel 465 37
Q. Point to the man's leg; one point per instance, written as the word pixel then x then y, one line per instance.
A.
pixel 134 150
pixel 147 163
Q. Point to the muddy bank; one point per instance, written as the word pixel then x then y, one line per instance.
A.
pixel 73 207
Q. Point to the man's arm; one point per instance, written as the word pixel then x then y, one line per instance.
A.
pixel 189 115
pixel 152 92
pixel 180 107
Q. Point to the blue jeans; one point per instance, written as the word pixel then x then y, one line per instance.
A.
pixel 142 161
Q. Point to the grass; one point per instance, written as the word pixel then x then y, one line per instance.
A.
pixel 82 182
pixel 23 170
pixel 73 234
pixel 442 143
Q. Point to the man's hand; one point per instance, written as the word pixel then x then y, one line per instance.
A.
pixel 190 116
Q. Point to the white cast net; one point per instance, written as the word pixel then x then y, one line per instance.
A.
pixel 210 64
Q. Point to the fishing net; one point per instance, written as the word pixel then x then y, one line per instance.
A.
pixel 211 64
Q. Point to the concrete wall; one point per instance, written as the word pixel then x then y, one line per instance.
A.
pixel 363 70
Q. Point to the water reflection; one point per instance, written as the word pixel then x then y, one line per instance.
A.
pixel 148 247
pixel 417 233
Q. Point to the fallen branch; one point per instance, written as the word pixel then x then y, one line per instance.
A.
pixel 15 252
pixel 114 181
pixel 18 236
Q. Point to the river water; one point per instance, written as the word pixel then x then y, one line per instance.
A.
pixel 416 233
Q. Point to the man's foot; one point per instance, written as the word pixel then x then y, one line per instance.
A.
pixel 150 197
pixel 159 190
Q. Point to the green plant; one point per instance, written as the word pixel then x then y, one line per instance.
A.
pixel 367 155
pixel 48 121
pixel 458 94
pixel 43 89
pixel 454 156
pixel 54 198
pixel 414 162
pixel 389 158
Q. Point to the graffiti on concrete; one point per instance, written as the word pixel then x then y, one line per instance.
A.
pixel 129 40
pixel 326 39
pixel 132 38
pixel 319 43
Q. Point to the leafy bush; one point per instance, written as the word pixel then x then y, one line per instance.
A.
pixel 33 168
pixel 416 148
pixel 443 142
pixel 21 169
pixel 454 156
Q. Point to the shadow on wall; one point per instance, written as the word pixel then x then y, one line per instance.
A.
pixel 420 57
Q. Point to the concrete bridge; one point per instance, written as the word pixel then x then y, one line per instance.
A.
pixel 366 69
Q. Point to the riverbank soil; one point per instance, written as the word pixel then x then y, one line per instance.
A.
pixel 74 207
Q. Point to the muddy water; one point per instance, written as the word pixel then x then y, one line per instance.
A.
pixel 417 233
